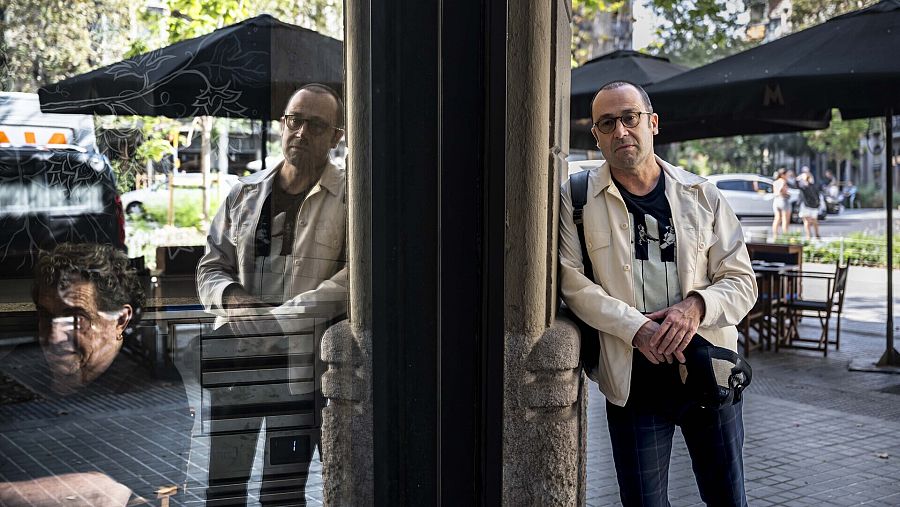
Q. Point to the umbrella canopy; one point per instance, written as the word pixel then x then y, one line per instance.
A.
pixel 645 70
pixel 626 65
pixel 848 62
pixel 639 68
pixel 245 70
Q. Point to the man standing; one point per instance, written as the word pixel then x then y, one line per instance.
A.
pixel 668 261
pixel 275 252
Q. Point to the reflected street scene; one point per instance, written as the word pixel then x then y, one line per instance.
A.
pixel 173 250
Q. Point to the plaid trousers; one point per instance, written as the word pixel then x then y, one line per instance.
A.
pixel 641 434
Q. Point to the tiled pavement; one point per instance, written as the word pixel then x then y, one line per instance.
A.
pixel 794 454
pixel 816 433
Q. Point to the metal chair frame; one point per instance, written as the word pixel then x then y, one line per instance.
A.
pixel 796 308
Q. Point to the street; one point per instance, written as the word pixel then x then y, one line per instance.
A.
pixel 867 221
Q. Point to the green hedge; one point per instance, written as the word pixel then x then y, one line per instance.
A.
pixel 188 204
pixel 859 249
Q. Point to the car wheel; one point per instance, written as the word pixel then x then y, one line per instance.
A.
pixel 135 209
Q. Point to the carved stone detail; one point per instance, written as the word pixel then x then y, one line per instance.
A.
pixel 347 465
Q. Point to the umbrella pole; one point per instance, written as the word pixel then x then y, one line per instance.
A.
pixel 264 138
pixel 890 357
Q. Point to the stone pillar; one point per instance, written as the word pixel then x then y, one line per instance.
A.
pixel 347 463
pixel 544 408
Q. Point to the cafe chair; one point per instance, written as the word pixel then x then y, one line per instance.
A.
pixel 756 321
pixel 796 307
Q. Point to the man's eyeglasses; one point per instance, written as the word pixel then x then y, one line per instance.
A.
pixel 629 120
pixel 315 126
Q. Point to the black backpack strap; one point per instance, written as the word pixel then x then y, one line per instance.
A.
pixel 578 184
pixel 590 343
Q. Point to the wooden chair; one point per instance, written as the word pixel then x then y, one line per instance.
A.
pixel 797 307
pixel 756 321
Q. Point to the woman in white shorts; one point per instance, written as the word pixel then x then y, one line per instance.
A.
pixel 780 204
pixel 809 204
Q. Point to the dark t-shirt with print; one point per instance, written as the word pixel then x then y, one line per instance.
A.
pixel 656 286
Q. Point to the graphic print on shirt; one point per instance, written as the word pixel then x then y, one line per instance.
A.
pixel 655 277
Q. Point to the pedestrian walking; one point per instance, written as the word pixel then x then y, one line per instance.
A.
pixel 809 205
pixel 781 206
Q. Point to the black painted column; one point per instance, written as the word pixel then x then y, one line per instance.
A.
pixel 437 166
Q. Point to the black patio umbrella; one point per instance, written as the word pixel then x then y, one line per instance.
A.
pixel 639 68
pixel 646 70
pixel 245 70
pixel 849 62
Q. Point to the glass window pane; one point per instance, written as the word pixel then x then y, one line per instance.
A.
pixel 172 256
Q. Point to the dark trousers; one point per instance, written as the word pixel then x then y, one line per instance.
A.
pixel 286 459
pixel 231 463
pixel 235 425
pixel 641 435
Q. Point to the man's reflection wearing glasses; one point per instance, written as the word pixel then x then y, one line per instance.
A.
pixel 277 246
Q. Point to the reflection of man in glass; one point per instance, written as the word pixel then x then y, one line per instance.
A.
pixel 276 248
pixel 86 297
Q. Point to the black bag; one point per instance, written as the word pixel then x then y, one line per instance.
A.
pixel 590 338
pixel 714 376
pixel 810 195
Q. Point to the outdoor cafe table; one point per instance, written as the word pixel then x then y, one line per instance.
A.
pixel 776 285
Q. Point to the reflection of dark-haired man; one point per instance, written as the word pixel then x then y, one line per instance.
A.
pixel 87 298
pixel 277 247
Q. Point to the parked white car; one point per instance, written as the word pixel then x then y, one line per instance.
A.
pixel 133 202
pixel 583 165
pixel 751 195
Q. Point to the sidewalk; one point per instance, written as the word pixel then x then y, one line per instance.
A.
pixel 816 433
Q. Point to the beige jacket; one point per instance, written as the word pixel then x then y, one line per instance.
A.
pixel 317 275
pixel 711 260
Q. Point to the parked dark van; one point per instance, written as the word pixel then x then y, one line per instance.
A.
pixel 51 195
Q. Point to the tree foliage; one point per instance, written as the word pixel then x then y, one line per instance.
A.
pixel 583 13
pixel 840 140
pixel 696 32
pixel 806 13
pixel 49 40
pixel 186 19
pixel 738 154
pixel 193 18
pixel 693 32
pixel 323 16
